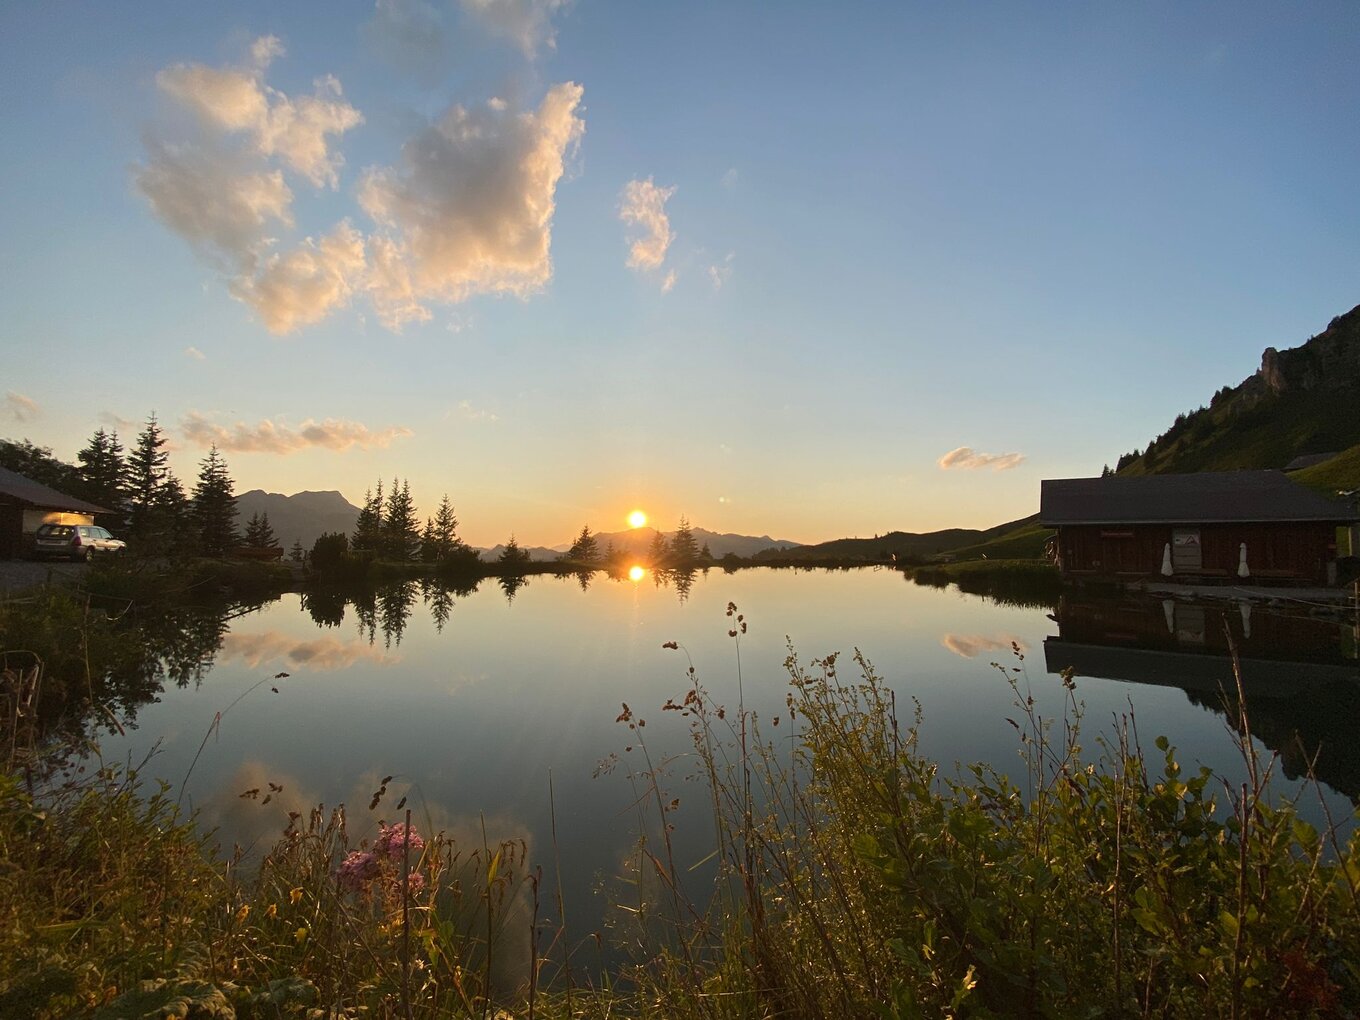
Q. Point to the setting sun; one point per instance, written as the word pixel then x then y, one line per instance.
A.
pixel 635 573
pixel 637 519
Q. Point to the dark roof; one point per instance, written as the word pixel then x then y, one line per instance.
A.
pixel 1307 460
pixel 1204 498
pixel 26 490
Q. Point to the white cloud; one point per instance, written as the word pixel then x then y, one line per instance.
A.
pixel 668 284
pixel 237 101
pixel 720 272
pixel 527 23
pixel 643 205
pixel 729 179
pixel 323 653
pixel 126 425
pixel 271 437
pixel 210 200
pixel 470 209
pixel 469 413
pixel 193 352
pixel 966 458
pixel 20 407
pixel 306 284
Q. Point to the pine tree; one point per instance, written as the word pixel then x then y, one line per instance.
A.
pixel 586 549
pixel 297 555
pixel 440 541
pixel 102 470
pixel 148 466
pixel 683 547
pixel 368 525
pixel 512 555
pixel 214 506
pixel 259 533
pixel 659 554
pixel 400 525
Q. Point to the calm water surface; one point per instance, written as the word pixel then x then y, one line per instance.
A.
pixel 475 718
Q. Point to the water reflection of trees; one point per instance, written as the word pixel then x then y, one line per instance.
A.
pixel 96 664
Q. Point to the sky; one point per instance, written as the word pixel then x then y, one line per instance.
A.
pixel 804 270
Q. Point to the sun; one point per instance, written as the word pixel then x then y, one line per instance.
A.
pixel 637 519
pixel 636 573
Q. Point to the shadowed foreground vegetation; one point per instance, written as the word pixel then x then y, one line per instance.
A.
pixel 850 877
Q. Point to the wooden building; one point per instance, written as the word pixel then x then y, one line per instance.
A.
pixel 1245 526
pixel 25 505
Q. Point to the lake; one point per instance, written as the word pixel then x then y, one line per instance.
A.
pixel 478 705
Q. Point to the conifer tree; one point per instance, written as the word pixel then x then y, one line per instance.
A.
pixel 259 533
pixel 659 554
pixel 368 525
pixel 512 555
pixel 586 548
pixel 684 549
pixel 148 467
pixel 297 555
pixel 400 525
pixel 214 506
pixel 102 470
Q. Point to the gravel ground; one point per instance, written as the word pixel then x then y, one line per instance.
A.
pixel 16 575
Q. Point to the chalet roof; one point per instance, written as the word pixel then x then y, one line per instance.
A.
pixel 1203 498
pixel 25 490
pixel 1307 460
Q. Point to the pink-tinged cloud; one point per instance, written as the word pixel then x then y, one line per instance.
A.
pixel 20 407
pixel 272 437
pixel 971 645
pixel 643 205
pixel 968 459
pixel 321 653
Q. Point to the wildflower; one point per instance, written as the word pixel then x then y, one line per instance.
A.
pixel 415 881
pixel 295 895
pixel 243 912
pixel 273 911
pixel 300 936
pixel 392 842
pixel 357 870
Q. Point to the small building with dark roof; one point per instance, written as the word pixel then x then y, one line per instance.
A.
pixel 26 505
pixel 1212 525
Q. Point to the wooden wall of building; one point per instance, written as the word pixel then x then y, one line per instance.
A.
pixel 1299 552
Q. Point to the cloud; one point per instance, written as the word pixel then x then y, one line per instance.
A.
pixel 269 437
pixel 527 23
pixel 965 457
pixel 469 413
pixel 211 200
pixel 971 645
pixel 237 101
pixel 668 284
pixel 409 35
pixel 118 422
pixel 720 272
pixel 729 179
pixel 470 208
pixel 323 653
pixel 643 205
pixel 306 284
pixel 193 352
pixel 20 407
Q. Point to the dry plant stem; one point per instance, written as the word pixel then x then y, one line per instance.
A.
pixel 406 918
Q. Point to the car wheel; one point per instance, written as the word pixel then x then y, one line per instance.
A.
pixel 87 556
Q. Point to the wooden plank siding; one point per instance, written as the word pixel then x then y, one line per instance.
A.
pixel 1293 551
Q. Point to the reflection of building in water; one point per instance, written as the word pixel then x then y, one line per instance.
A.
pixel 1300 674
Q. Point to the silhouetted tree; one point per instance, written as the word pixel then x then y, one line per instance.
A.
pixel 659 553
pixel 586 549
pixel 441 539
pixel 329 551
pixel 214 506
pixel 684 549
pixel 297 555
pixel 512 555
pixel 259 533
pixel 368 525
pixel 148 468
pixel 38 464
pixel 400 525
pixel 102 470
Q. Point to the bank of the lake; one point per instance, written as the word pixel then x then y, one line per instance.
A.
pixel 485 712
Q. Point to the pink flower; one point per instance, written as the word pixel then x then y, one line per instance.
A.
pixel 392 843
pixel 357 870
pixel 415 882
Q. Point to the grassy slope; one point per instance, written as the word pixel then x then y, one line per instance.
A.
pixel 1023 543
pixel 903 544
pixel 1341 473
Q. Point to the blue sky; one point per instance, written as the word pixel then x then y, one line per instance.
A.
pixel 766 266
